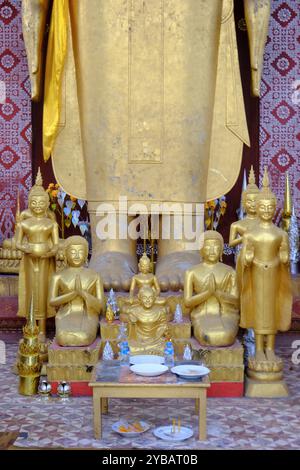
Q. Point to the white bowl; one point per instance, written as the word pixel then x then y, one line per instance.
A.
pixel 146 359
pixel 190 371
pixel 149 370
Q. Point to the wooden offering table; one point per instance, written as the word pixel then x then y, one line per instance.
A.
pixel 112 380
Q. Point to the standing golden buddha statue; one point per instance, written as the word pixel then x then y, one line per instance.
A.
pixel 238 228
pixel 266 295
pixel 77 293
pixel 210 290
pixel 135 88
pixel 37 239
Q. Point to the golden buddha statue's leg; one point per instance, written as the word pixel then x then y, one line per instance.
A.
pixel 174 256
pixel 270 348
pixel 115 257
pixel 259 345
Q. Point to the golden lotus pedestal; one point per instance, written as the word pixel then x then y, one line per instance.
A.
pixel 264 379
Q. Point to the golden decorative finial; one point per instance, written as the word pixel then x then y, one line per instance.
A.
pixel 266 181
pixel 266 190
pixel 251 179
pixel 109 314
pixel 31 319
pixel 145 258
pixel 17 217
pixel 39 179
pixel 288 205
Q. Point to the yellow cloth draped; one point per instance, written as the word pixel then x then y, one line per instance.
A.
pixel 56 55
pixel 270 318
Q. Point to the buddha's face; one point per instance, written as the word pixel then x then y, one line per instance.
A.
pixel 250 203
pixel 266 209
pixel 147 299
pixel 76 255
pixel 38 205
pixel 211 251
pixel 144 267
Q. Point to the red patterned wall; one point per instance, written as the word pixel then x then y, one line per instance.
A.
pixel 280 101
pixel 15 116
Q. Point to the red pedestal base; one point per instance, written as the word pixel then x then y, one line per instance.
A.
pixel 217 389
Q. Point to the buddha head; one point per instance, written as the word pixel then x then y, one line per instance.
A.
pixel 146 297
pixel 250 194
pixel 212 247
pixel 145 264
pixel 38 198
pixel 266 201
pixel 76 250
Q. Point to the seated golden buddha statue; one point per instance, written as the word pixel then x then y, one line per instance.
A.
pixel 144 278
pixel 147 323
pixel 78 294
pixel 210 290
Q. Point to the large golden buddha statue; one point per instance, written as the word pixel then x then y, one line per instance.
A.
pixel 210 290
pixel 77 294
pixel 37 238
pixel 147 322
pixel 143 100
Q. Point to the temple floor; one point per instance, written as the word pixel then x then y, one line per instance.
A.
pixel 232 423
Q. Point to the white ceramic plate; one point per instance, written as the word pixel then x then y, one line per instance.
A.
pixel 149 370
pixel 116 427
pixel 165 433
pixel 190 371
pixel 145 359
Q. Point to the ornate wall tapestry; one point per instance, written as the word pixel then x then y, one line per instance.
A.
pixel 280 100
pixel 15 116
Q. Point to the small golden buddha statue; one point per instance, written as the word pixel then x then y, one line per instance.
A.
pixel 77 292
pixel 144 278
pixel 37 239
pixel 266 296
pixel 249 197
pixel 147 321
pixel 210 290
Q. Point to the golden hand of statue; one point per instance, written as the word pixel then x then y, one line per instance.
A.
pixel 284 254
pixel 78 287
pixel 211 284
pixel 25 247
pixel 249 255
pixel 49 254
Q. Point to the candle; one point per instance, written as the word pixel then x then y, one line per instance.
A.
pixel 173 427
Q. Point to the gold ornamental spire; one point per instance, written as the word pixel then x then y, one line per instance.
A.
pixel 251 179
pixel 18 212
pixel 288 204
pixel 39 179
pixel 265 192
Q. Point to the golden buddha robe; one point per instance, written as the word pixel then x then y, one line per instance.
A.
pixel 147 328
pixel 151 93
